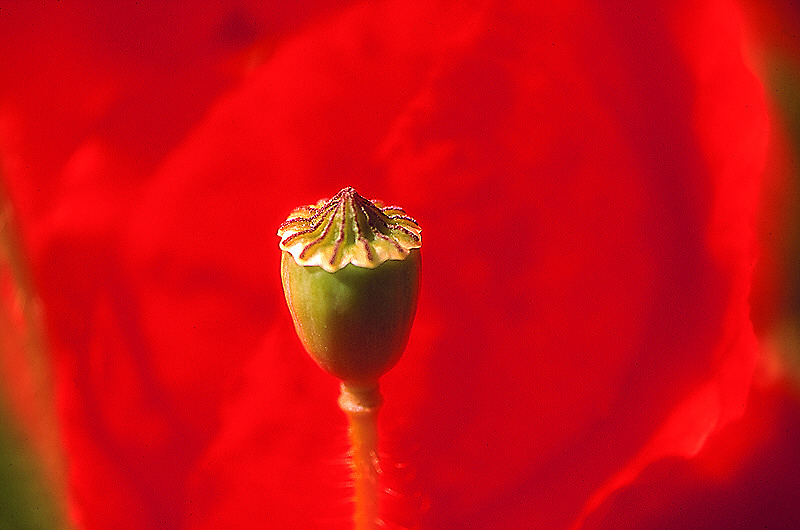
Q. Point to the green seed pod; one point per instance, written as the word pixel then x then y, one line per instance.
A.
pixel 351 274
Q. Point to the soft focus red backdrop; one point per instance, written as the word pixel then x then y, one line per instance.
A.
pixel 586 177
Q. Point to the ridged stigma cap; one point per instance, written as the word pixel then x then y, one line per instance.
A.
pixel 348 229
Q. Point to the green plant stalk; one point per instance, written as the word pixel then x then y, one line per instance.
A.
pixel 361 405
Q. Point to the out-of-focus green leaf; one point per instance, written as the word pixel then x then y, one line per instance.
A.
pixel 26 498
pixel 31 490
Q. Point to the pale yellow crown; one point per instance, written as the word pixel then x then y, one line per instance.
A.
pixel 348 229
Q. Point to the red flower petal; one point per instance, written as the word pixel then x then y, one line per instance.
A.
pixel 585 178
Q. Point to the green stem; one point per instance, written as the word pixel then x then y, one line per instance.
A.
pixel 361 404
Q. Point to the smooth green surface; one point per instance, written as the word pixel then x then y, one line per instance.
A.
pixel 354 322
pixel 26 500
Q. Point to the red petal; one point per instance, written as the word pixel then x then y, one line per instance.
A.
pixel 585 178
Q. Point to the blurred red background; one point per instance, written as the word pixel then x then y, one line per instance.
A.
pixel 595 183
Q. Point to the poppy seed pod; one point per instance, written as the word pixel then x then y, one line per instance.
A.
pixel 350 270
